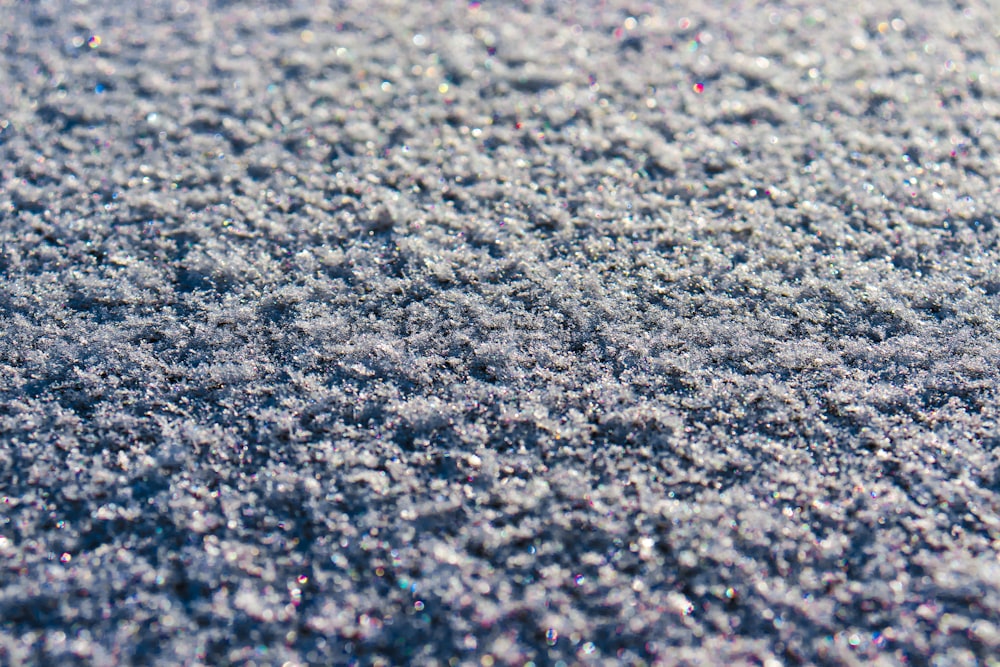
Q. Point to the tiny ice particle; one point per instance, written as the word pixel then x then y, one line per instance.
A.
pixel 698 88
pixel 680 604
pixel 65 558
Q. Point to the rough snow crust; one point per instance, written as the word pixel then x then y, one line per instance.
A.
pixel 551 332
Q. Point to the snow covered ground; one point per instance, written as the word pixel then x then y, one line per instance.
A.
pixel 499 333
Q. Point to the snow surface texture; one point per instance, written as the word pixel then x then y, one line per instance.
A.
pixel 437 333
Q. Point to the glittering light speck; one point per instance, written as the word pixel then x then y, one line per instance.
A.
pixel 65 558
pixel 551 636
pixel 94 41
pixel 698 88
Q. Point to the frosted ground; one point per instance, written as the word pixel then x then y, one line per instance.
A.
pixel 503 333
